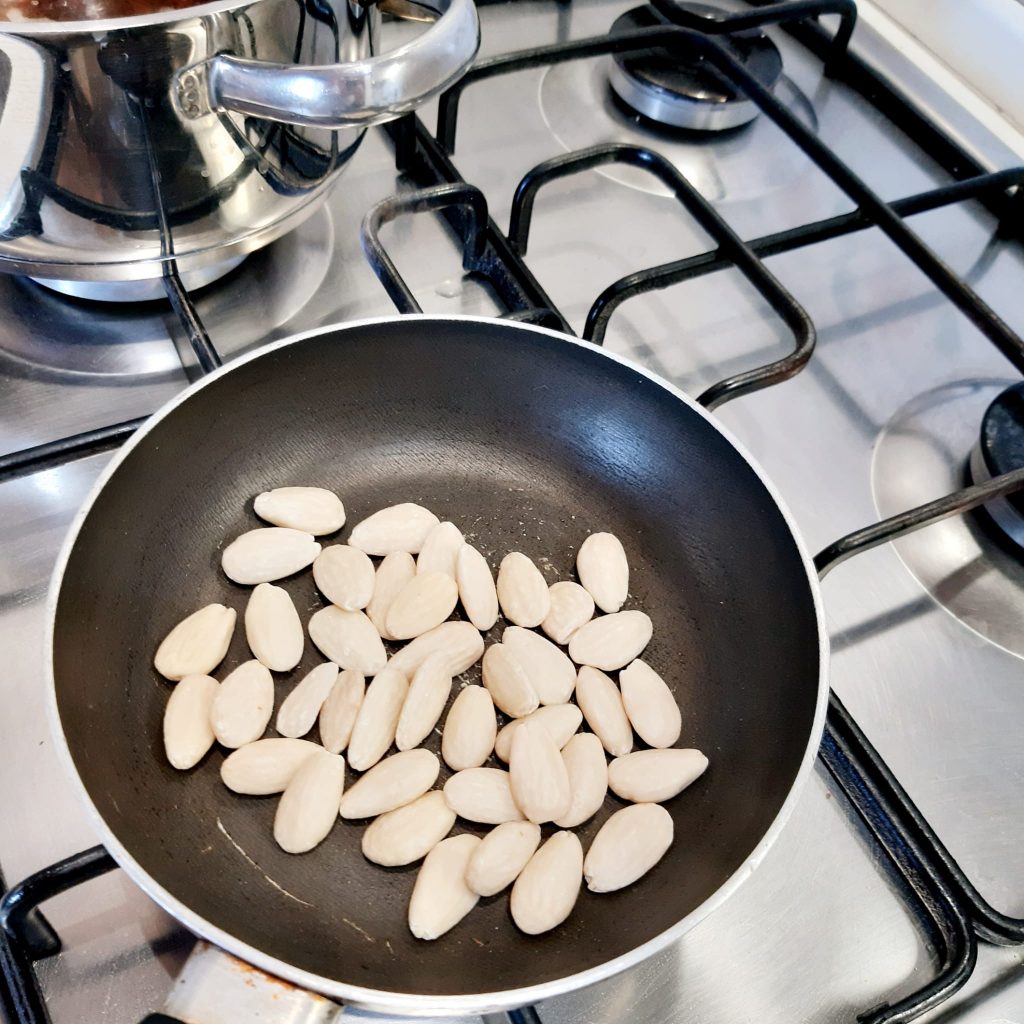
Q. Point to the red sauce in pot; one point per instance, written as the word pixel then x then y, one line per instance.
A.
pixel 85 10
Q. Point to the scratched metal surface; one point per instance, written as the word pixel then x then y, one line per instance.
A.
pixel 818 933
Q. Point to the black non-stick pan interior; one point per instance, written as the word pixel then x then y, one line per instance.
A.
pixel 527 443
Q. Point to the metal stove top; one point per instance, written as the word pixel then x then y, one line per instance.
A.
pixel 927 634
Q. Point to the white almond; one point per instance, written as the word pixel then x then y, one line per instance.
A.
pixel 601 703
pixel 345 576
pixel 549 670
pixel 340 709
pixel 398 528
pixel 308 807
pixel 349 639
pixel 440 898
pixel 629 844
pixel 604 570
pixel 545 892
pixel 508 683
pixel 423 603
pixel 560 720
pixel 266 766
pixel 651 776
pixel 197 644
pixel 268 554
pixel 428 693
pixel 476 587
pixel 408 833
pixel 243 705
pixel 571 606
pixel 395 782
pixel 611 641
pixel 273 628
pixel 501 856
pixel 309 509
pixel 540 783
pixel 298 711
pixel 650 705
pixel 440 550
pixel 392 575
pixel 461 642
pixel 522 590
pixel 482 794
pixel 469 729
pixel 188 734
pixel 377 721
pixel 588 778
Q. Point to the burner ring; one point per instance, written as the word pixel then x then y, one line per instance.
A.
pixel 1000 449
pixel 682 89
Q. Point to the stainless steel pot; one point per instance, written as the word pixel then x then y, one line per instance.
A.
pixel 198 134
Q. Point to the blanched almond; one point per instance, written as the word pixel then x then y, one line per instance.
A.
pixel 522 590
pixel 549 670
pixel 423 603
pixel 460 641
pixel 469 729
pixel 392 575
pixel 273 629
pixel 268 554
pixel 545 892
pixel 243 705
pixel 571 606
pixel 408 833
pixel 349 639
pixel 309 509
pixel 540 783
pixel 560 720
pixel 298 711
pixel 650 705
pixel 266 766
pixel 584 762
pixel 601 703
pixel 377 719
pixel 188 734
pixel 309 805
pixel 440 897
pixel 482 794
pixel 508 683
pixel 501 856
pixel 197 644
pixel 440 550
pixel 339 711
pixel 604 570
pixel 397 528
pixel 345 576
pixel 611 641
pixel 629 844
pixel 428 693
pixel 395 782
pixel 476 587
pixel 651 776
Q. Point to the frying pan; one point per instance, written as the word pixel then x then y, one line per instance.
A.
pixel 528 441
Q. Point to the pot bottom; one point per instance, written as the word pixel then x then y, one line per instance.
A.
pixel 144 290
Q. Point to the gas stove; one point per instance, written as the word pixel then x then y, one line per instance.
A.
pixel 756 254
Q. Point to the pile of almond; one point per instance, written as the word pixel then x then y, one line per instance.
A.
pixel 555 774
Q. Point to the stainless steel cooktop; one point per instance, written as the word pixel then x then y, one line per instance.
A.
pixel 927 634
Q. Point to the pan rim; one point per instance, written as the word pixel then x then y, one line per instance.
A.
pixel 402 1003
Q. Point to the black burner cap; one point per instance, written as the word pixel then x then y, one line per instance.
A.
pixel 683 74
pixel 1002 437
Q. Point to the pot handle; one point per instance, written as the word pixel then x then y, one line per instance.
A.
pixel 353 94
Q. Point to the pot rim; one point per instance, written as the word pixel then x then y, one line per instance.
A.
pixel 30 27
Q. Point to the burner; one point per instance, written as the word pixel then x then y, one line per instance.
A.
pixel 682 89
pixel 147 290
pixel 1000 449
